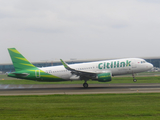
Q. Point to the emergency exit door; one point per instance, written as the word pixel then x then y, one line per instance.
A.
pixel 37 73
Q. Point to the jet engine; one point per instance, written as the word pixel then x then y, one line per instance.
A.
pixel 104 77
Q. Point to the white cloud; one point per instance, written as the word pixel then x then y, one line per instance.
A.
pixel 80 29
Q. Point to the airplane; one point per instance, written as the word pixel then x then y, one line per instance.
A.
pixel 101 71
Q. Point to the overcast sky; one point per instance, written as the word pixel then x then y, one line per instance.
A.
pixel 82 29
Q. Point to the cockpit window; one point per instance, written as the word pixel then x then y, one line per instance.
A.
pixel 143 61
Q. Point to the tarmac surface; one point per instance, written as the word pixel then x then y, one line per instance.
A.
pixel 78 89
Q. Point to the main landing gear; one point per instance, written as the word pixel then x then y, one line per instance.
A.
pixel 134 80
pixel 85 85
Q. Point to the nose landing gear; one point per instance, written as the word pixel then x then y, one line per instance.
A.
pixel 85 85
pixel 134 80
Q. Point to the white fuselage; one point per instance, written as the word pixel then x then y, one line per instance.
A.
pixel 116 67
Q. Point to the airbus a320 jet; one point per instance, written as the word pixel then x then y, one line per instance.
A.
pixel 101 71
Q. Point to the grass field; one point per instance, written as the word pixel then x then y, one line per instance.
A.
pixel 137 106
pixel 81 107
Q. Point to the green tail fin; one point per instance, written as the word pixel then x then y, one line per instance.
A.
pixel 19 61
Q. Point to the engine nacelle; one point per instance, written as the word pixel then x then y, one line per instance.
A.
pixel 104 77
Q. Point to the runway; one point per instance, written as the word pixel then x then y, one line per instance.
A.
pixel 78 89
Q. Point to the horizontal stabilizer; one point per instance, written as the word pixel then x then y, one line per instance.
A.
pixel 18 74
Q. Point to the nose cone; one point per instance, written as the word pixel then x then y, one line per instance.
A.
pixel 150 66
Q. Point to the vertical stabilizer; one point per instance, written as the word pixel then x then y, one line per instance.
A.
pixel 19 61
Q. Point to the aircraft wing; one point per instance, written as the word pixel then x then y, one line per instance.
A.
pixel 86 74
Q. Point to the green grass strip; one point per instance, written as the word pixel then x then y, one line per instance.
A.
pixel 81 107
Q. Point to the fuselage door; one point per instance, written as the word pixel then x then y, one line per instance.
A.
pixel 37 73
pixel 134 65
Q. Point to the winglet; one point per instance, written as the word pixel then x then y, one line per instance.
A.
pixel 65 65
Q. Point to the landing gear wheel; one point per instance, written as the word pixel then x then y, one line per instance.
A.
pixel 134 80
pixel 85 85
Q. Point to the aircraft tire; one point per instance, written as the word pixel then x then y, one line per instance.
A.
pixel 85 85
pixel 134 80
